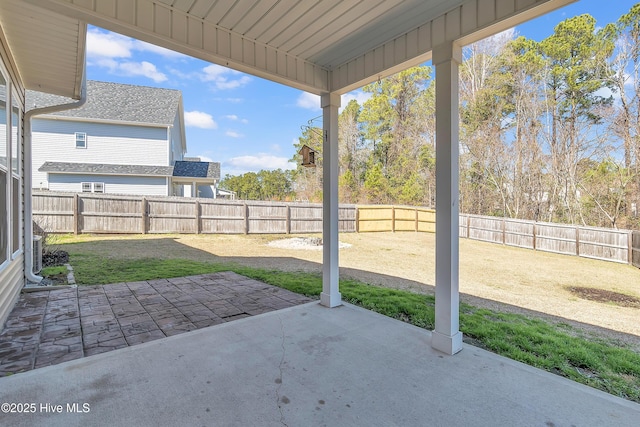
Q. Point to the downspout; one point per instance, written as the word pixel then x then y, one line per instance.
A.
pixel 28 173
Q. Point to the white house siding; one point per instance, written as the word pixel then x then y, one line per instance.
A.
pixel 113 184
pixel 11 262
pixel 11 281
pixel 176 142
pixel 107 143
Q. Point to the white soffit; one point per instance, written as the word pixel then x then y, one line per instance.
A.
pixel 48 49
pixel 313 45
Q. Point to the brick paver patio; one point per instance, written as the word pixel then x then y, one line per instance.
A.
pixel 50 327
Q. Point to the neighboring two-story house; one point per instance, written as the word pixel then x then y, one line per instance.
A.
pixel 124 140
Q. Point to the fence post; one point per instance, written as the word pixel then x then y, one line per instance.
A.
pixel 145 216
pixel 577 241
pixel 288 219
pixel 197 212
pixel 468 226
pixel 534 236
pixel 393 219
pixel 417 221
pixel 246 218
pixel 76 214
pixel 357 219
pixel 504 231
pixel 630 242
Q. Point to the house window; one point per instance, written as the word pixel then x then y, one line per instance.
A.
pixel 81 140
pixel 93 187
pixel 98 187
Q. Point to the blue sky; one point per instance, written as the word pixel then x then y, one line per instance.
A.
pixel 244 122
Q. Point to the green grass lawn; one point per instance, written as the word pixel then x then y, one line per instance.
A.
pixel 557 348
pixel 51 271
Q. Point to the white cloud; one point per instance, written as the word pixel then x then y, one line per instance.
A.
pixel 276 148
pixel 109 45
pixel 235 118
pixel 199 119
pixel 143 69
pixel 214 71
pixel 111 51
pixel 308 101
pixel 360 96
pixel 102 43
pixel 233 134
pixel 108 63
pixel 158 50
pixel 222 79
pixel 243 164
pixel 233 84
pixel 131 69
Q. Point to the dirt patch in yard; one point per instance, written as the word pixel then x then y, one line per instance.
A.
pixel 605 296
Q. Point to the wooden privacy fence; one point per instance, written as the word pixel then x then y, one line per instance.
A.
pixel 106 213
pixel 395 218
pixel 589 242
pixel 635 249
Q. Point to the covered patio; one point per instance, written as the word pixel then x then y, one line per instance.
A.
pixel 327 48
pixel 304 365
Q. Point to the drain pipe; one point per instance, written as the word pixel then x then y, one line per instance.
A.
pixel 28 173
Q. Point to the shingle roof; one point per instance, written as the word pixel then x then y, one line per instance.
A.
pixel 197 169
pixel 115 101
pixel 105 169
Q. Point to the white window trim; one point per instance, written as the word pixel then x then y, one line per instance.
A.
pixel 92 187
pixel 17 174
pixel 81 136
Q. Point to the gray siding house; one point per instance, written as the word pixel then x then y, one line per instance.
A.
pixel 124 140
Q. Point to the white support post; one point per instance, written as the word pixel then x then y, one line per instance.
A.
pixel 330 296
pixel 447 337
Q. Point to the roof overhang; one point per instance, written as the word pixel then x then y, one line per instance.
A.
pixel 104 121
pixel 69 168
pixel 48 49
pixel 191 180
pixel 101 169
pixel 318 46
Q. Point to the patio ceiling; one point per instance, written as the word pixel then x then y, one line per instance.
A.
pixel 318 46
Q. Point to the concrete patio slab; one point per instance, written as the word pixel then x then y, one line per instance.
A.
pixel 305 366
